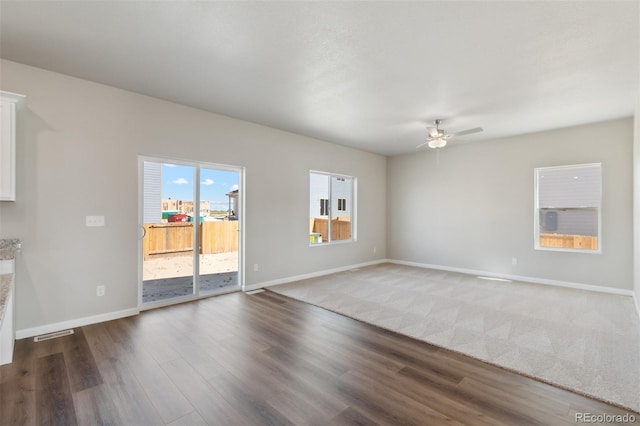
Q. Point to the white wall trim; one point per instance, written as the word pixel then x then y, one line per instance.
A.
pixel 78 322
pixel 311 275
pixel 534 280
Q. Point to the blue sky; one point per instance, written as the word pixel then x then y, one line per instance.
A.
pixel 177 184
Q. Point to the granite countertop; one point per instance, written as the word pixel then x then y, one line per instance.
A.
pixel 7 254
pixel 8 248
pixel 5 289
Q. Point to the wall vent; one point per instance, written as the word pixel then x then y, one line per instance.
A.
pixel 53 335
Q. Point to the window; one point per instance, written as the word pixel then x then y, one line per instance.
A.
pixel 324 207
pixel 333 197
pixel 567 208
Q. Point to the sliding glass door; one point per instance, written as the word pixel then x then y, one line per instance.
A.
pixel 190 233
pixel 218 258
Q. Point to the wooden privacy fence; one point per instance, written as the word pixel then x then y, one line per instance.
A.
pixel 177 237
pixel 340 228
pixel 219 236
pixel 568 241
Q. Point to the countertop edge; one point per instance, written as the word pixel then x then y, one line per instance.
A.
pixel 6 287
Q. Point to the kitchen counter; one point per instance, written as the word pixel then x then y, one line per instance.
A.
pixel 8 248
pixel 5 291
pixel 7 254
pixel 7 309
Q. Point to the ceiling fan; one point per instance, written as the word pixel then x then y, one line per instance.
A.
pixel 438 138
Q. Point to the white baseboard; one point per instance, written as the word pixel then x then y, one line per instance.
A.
pixel 310 275
pixel 79 322
pixel 534 280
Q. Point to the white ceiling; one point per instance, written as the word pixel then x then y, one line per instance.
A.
pixel 371 75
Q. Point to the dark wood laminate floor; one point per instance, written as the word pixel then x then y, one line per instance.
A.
pixel 265 359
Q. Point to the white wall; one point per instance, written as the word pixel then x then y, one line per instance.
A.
pixel 636 197
pixel 77 151
pixel 636 205
pixel 471 206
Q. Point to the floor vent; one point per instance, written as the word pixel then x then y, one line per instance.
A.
pixel 49 336
pixel 255 291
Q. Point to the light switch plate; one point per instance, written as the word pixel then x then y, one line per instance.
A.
pixel 95 220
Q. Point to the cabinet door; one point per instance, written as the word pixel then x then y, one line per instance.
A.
pixel 8 102
pixel 7 151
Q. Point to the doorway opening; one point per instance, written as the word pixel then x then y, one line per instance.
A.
pixel 190 230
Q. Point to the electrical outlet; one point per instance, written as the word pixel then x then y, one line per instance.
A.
pixel 100 290
pixel 514 260
pixel 255 267
pixel 375 249
pixel 95 220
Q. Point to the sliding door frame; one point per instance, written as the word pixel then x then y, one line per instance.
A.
pixel 197 165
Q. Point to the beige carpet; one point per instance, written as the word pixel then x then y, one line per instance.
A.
pixel 579 340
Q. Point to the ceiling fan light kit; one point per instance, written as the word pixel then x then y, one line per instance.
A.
pixel 437 143
pixel 437 137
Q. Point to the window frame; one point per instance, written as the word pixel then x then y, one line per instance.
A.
pixel 537 209
pixel 331 209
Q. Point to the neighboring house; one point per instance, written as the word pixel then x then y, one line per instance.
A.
pixel 234 211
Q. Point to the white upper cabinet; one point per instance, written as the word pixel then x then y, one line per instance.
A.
pixel 8 103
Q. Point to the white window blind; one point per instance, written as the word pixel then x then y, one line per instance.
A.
pixel 568 208
pixel 570 186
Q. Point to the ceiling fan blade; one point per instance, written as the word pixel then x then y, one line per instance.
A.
pixel 422 144
pixel 466 132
